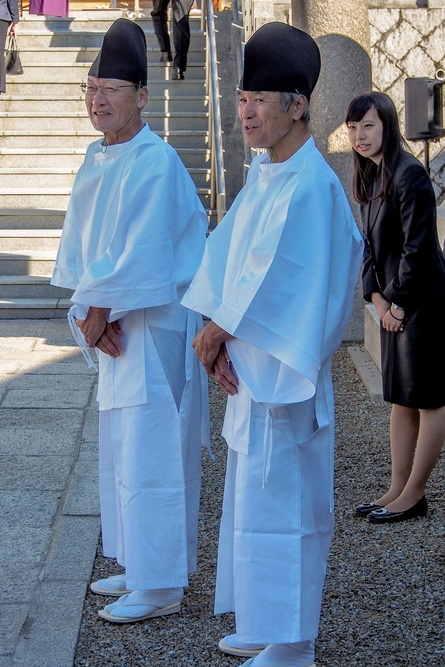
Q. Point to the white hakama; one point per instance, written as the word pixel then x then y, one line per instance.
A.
pixel 278 274
pixel 132 240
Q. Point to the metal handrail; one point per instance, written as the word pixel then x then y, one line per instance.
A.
pixel 217 180
pixel 237 23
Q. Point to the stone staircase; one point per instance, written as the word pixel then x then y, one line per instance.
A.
pixel 44 131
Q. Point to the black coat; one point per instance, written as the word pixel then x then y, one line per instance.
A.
pixel 404 262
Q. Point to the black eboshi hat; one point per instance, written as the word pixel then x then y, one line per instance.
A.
pixel 123 54
pixel 281 58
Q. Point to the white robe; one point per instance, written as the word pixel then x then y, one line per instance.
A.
pixel 278 274
pixel 133 237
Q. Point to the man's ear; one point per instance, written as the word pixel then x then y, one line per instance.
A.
pixel 142 97
pixel 300 107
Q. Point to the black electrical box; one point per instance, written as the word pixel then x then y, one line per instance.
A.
pixel 423 109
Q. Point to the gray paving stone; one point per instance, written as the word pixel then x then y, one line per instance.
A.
pixel 60 382
pixel 89 449
pixel 40 356
pixel 31 508
pixel 34 472
pixel 54 626
pixel 41 397
pixel 28 545
pixel 73 549
pixel 74 365
pixel 50 329
pixel 16 344
pixel 83 493
pixel 37 432
pixel 12 618
pixel 19 580
pixel 90 432
pixel 7 367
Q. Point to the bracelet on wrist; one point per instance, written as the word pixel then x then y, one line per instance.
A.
pixel 399 319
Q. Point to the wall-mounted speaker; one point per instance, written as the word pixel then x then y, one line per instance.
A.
pixel 424 109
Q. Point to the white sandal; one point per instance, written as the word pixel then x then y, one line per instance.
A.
pixel 229 645
pixel 113 586
pixel 141 612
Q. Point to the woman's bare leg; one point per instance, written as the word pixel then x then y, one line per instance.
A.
pixel 403 433
pixel 429 445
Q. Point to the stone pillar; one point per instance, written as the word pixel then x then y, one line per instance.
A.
pixel 341 30
pixel 258 12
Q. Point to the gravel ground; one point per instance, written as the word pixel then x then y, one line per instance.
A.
pixel 384 603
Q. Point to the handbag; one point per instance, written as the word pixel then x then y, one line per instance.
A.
pixel 12 58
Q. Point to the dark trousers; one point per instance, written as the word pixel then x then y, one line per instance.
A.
pixel 181 29
pixel 4 25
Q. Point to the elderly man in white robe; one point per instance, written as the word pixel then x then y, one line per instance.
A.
pixel 132 240
pixel 277 281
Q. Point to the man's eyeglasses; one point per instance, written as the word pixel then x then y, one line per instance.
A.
pixel 107 91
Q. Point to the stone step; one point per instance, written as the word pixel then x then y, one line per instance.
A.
pixel 59 86
pixel 77 72
pixel 40 309
pixel 31 262
pixel 40 177
pixel 31 287
pixel 31 218
pixel 42 158
pixel 69 104
pixel 16 240
pixel 56 197
pixel 78 121
pixel 42 218
pixel 70 55
pixel 89 39
pixel 95 21
pixel 44 138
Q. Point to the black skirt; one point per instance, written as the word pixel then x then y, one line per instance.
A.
pixel 413 361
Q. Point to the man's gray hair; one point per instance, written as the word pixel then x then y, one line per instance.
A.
pixel 286 101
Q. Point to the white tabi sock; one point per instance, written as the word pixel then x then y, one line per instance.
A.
pixel 298 654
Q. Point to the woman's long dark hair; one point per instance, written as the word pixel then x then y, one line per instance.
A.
pixel 365 170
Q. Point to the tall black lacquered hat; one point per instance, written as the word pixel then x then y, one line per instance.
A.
pixel 123 54
pixel 279 57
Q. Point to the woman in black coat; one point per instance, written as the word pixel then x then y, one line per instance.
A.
pixel 9 17
pixel 404 277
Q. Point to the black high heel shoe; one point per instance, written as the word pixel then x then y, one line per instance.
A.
pixel 383 516
pixel 366 508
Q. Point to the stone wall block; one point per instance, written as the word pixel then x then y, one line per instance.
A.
pixel 384 19
pixel 397 94
pixel 425 20
pixel 437 148
pixel 434 45
pixel 397 44
pixel 438 177
pixel 374 35
pixel 388 71
pixel 417 61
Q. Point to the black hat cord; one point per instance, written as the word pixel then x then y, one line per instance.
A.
pixel 271 149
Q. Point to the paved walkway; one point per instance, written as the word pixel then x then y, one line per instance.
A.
pixel 49 509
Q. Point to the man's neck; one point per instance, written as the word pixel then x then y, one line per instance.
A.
pixel 290 143
pixel 127 133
